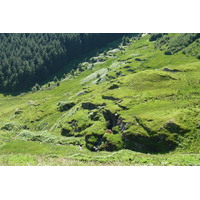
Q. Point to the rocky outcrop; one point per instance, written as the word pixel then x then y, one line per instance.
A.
pixel 113 120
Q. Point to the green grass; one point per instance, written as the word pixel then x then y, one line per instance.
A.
pixel 144 91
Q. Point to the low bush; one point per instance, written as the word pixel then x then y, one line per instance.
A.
pixel 49 138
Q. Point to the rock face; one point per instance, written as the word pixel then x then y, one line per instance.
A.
pixel 111 119
pixel 65 106
pixel 114 120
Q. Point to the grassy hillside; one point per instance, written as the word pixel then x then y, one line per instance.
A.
pixel 128 105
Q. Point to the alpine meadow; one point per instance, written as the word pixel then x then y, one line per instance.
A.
pixel 91 99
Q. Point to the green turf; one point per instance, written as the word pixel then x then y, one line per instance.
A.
pixel 131 83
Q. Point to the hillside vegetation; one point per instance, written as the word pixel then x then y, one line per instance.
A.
pixel 130 104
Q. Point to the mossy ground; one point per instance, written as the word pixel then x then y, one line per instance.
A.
pixel 132 83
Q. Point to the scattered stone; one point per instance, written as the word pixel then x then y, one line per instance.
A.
pixel 95 148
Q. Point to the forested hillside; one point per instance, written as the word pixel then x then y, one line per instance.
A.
pixel 26 59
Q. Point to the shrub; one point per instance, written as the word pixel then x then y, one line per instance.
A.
pixel 58 84
pixel 49 138
pixel 36 87
pixel 168 52
pixel 98 75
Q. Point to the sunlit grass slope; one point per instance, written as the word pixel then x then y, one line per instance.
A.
pixel 130 105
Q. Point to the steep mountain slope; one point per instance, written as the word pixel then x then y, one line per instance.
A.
pixel 134 97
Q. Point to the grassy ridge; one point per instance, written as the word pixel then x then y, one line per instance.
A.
pixel 156 96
